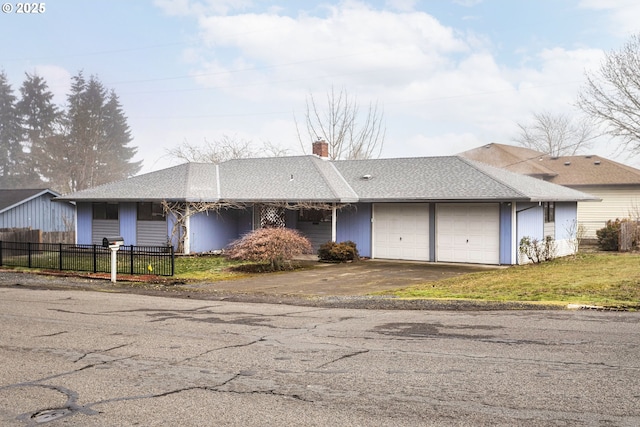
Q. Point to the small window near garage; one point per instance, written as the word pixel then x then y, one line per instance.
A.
pixel 315 216
pixel 148 211
pixel 549 212
pixel 105 211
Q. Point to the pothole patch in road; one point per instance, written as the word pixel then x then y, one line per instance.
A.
pixel 428 330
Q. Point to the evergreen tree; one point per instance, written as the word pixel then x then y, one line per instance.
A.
pixel 10 136
pixel 39 118
pixel 92 147
pixel 116 163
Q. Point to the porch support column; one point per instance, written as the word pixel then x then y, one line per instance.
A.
pixel 187 230
pixel 334 222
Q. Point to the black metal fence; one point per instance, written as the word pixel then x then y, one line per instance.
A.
pixel 158 260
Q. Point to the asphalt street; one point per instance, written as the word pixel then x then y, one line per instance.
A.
pixel 79 358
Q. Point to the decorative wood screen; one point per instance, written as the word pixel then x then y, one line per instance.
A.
pixel 272 217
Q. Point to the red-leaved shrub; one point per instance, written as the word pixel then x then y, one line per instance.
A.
pixel 276 246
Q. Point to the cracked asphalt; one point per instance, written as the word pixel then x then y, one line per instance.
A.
pixel 75 358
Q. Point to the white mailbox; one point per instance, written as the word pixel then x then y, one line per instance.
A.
pixel 114 244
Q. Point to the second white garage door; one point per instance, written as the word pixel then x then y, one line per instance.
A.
pixel 468 232
pixel 401 231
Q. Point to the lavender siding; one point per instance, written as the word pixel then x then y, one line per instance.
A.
pixel 506 239
pixel 245 221
pixel 530 221
pixel 354 223
pixel 83 223
pixel 213 231
pixel 127 214
pixel 566 219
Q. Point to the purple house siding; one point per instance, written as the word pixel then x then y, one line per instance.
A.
pixel 291 218
pixel 530 221
pixel 245 221
pixel 354 223
pixel 506 239
pixel 566 220
pixel 127 215
pixel 215 230
pixel 83 223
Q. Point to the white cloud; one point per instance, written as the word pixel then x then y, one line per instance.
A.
pixel 442 89
pixel 196 8
pixel 623 14
pixel 351 45
pixel 401 5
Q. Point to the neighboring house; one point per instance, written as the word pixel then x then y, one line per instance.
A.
pixel 445 209
pixel 33 208
pixel 617 185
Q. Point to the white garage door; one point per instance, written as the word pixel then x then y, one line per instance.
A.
pixel 468 232
pixel 401 231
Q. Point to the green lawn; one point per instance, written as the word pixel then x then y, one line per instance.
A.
pixel 609 279
pixel 206 268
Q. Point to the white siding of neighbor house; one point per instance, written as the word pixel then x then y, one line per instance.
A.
pixel 617 202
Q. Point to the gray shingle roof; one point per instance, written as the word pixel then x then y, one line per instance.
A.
pixel 186 182
pixel 444 179
pixel 303 178
pixel 311 179
pixel 12 198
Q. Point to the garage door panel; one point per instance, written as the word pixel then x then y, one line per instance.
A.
pixel 468 232
pixel 401 231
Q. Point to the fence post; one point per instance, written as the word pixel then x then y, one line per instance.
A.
pixel 29 253
pixel 60 255
pixel 95 259
pixel 131 258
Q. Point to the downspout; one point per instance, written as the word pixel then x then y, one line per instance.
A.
pixel 514 234
pixel 334 223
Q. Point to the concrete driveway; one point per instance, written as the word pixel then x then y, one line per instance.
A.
pixel 351 279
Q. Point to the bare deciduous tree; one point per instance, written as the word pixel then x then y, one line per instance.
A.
pixel 612 95
pixel 223 149
pixel 557 134
pixel 350 132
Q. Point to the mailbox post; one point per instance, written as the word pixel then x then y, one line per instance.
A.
pixel 114 244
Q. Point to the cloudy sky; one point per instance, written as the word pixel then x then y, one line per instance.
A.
pixel 450 75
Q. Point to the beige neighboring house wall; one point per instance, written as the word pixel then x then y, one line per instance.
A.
pixel 616 184
pixel 617 202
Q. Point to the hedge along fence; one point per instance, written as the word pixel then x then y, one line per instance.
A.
pixel 139 260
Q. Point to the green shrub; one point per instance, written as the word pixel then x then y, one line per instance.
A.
pixel 340 252
pixel 609 236
pixel 276 246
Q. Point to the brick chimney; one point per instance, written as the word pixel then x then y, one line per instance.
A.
pixel 321 148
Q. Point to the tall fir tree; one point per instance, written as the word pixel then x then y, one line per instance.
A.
pixel 39 117
pixel 91 145
pixel 10 136
pixel 117 162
